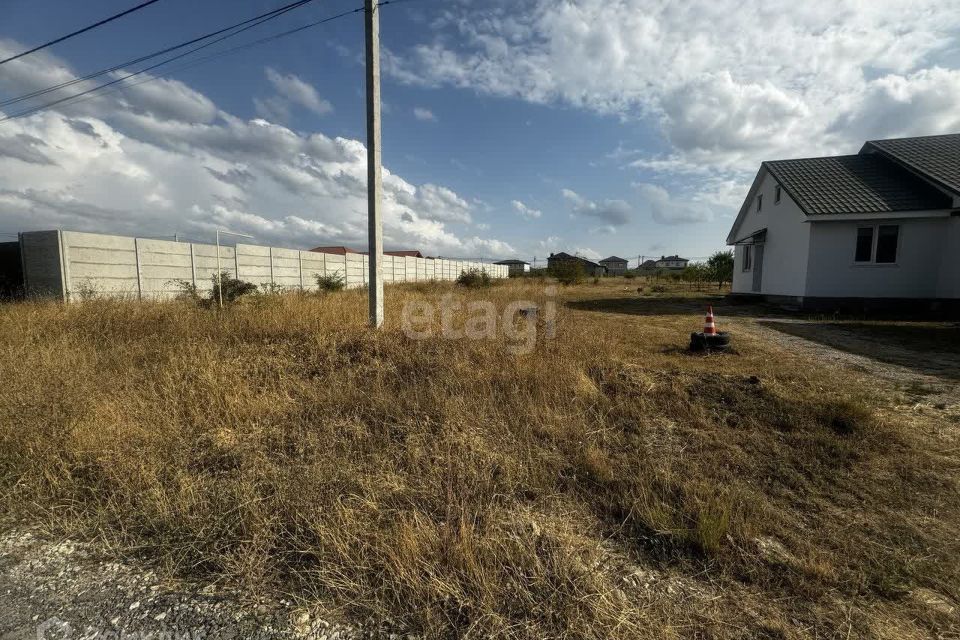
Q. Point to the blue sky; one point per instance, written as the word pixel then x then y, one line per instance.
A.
pixel 628 127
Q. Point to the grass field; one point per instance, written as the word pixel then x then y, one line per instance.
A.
pixel 607 484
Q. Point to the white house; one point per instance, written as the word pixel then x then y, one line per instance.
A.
pixel 879 227
pixel 615 266
pixel 671 262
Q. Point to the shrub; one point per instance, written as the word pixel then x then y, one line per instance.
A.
pixel 568 272
pixel 330 282
pixel 232 288
pixel 629 275
pixel 474 279
pixel 187 291
pixel 658 288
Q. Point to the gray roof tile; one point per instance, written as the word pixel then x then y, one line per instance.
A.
pixel 865 183
pixel 937 157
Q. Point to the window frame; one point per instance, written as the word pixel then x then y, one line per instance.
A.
pixel 760 203
pixel 746 264
pixel 777 194
pixel 874 244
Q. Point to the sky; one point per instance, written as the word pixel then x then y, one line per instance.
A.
pixel 510 129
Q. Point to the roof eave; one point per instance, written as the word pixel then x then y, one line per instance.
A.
pixel 880 215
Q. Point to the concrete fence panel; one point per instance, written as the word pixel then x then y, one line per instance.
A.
pixel 286 268
pixel 313 266
pixel 71 264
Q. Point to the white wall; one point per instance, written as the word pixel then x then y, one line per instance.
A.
pixel 787 244
pixel 916 274
pixel 948 285
pixel 71 264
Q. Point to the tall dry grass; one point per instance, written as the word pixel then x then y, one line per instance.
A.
pixel 604 485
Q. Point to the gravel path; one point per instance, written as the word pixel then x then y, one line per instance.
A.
pixel 59 590
pixel 929 377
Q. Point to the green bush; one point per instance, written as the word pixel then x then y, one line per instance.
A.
pixel 474 279
pixel 629 275
pixel 332 282
pixel 568 272
pixel 232 288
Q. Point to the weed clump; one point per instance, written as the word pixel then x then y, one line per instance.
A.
pixel 568 272
pixel 474 279
pixel 330 282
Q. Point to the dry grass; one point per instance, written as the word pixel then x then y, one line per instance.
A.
pixel 605 485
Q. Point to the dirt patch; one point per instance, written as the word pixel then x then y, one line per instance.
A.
pixel 66 589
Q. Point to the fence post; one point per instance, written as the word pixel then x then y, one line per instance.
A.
pixel 300 263
pixel 64 267
pixel 136 251
pixel 193 267
pixel 236 262
pixel 270 249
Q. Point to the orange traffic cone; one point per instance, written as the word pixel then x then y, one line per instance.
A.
pixel 709 327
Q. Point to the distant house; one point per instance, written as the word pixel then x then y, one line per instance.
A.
pixel 515 267
pixel 671 262
pixel 876 227
pixel 615 266
pixel 648 265
pixel 590 268
pixel 338 250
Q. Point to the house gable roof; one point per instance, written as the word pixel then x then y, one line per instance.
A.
pixel 613 259
pixel 934 157
pixel 511 261
pixel 673 259
pixel 561 255
pixel 865 183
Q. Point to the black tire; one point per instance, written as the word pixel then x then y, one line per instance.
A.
pixel 697 342
pixel 721 339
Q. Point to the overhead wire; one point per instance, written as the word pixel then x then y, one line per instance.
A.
pixel 190 64
pixel 79 31
pixel 271 16
pixel 275 12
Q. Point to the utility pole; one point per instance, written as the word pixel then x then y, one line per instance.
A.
pixel 374 178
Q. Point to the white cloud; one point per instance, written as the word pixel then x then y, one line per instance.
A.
pixel 611 212
pixel 664 209
pixel 291 91
pixel 524 210
pixel 155 165
pixel 726 83
pixel 424 115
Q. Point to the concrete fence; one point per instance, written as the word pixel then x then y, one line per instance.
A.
pixel 72 264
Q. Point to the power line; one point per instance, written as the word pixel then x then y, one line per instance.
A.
pixel 188 65
pixel 79 31
pixel 235 28
pixel 270 16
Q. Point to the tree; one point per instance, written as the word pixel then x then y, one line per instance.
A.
pixel 720 266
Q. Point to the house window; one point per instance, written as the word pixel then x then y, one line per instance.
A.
pixel 759 203
pixel 887 236
pixel 877 244
pixel 747 257
pixel 864 245
pixel 776 195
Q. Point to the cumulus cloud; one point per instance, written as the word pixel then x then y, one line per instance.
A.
pixel 137 164
pixel 664 209
pixel 726 83
pixel 611 212
pixel 525 211
pixel 295 91
pixel 25 148
pixel 424 115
